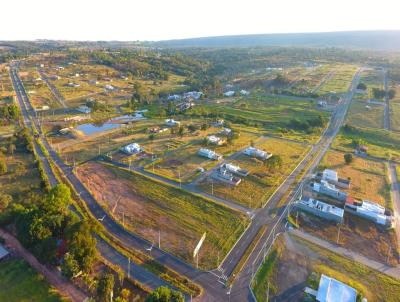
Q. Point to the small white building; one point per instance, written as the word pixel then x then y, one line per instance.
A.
pixel 369 210
pixel 109 87
pixel 234 169
pixel 73 85
pixel 3 252
pixel 244 92
pixel 193 94
pixel 251 151
pixel 84 109
pixel 133 148
pixel 321 209
pixel 215 140
pixel 173 97
pixel 209 154
pixel 171 122
pixel 229 93
pixel 219 123
pixel 226 131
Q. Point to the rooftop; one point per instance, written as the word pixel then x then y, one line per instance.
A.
pixel 332 290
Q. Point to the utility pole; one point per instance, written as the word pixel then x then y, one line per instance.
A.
pixel 338 235
pixel 159 239
pixel 268 292
pixel 388 254
pixel 180 182
pixel 129 267
pixel 212 187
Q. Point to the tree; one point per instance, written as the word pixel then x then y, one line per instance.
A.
pixel 181 131
pixel 391 94
pixel 275 161
pixel 59 199
pixel 82 245
pixel 151 136
pixel 123 296
pixel 3 166
pixel 69 267
pixel 362 86
pixel 348 158
pixel 165 294
pixel 105 287
pixel 5 200
pixel 11 148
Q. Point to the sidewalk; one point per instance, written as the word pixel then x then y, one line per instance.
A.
pixel 381 267
pixel 52 276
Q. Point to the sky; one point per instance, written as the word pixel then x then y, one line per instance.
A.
pixel 131 20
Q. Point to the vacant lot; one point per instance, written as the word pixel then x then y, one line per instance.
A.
pixel 294 262
pixel 368 178
pixel 340 80
pixel 381 143
pixel 363 114
pixel 255 189
pixel 19 282
pixel 149 207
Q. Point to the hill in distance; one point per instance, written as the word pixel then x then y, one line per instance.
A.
pixel 372 40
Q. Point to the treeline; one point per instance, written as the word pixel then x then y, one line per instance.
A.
pixel 45 225
pixel 9 113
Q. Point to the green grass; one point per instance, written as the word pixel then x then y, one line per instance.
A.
pixel 367 117
pixel 381 143
pixel 340 81
pixel 20 283
pixel 373 284
pixel 260 283
pixel 395 116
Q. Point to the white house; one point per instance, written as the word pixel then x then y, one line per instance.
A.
pixel 74 85
pixel 369 210
pixel 215 140
pixel 193 94
pixel 234 169
pixel 244 92
pixel 171 122
pixel 229 93
pixel 132 148
pixel 109 87
pixel 84 109
pixel 226 131
pixel 219 123
pixel 209 154
pixel 174 97
pixel 251 151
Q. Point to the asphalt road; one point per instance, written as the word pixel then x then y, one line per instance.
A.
pixel 214 288
pixel 52 88
pixel 240 290
pixel 395 193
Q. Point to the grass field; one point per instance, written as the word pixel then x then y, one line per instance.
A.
pixel 373 79
pixel 20 283
pixel 23 175
pixel 381 143
pixel 297 262
pixel 150 207
pixel 340 81
pixel 363 114
pixel 368 178
pixel 255 189
pixel 271 113
pixel 183 162
pixel 395 115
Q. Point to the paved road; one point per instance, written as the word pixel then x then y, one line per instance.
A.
pixel 386 113
pixel 149 279
pixel 53 276
pixel 394 187
pixel 214 289
pixel 381 267
pixel 53 88
pixel 240 290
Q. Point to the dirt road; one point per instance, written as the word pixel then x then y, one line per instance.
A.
pixel 65 288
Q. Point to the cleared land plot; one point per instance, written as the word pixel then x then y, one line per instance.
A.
pixel 19 282
pixel 381 143
pixel 295 264
pixel 39 94
pixel 340 81
pixel 183 162
pixel 255 189
pixel 6 88
pixel 368 178
pixel 363 114
pixel 23 176
pixel 310 81
pixel 150 207
pixel 271 114
pixel 373 79
pixel 356 234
